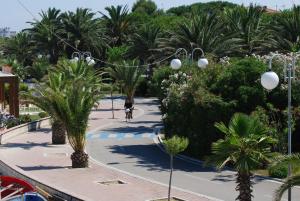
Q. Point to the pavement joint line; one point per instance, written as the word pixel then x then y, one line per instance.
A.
pixel 153 181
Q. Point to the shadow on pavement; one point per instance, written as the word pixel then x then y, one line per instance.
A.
pixel 152 158
pixel 27 146
pixel 130 130
pixel 41 167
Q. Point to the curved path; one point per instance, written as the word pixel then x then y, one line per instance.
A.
pixel 130 147
pixel 31 155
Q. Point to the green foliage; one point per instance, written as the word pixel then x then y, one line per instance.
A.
pixel 23 87
pixel 144 6
pixel 246 144
pixel 26 118
pixel 142 87
pixel 158 76
pixel 212 7
pixel 43 114
pixel 38 69
pixel 175 145
pixel 286 29
pixel 144 44
pixel 127 76
pixel 278 171
pixel 294 179
pixel 246 32
pixel 117 23
pixel 116 54
pixel 240 82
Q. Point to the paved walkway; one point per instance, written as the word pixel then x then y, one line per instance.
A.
pixel 33 155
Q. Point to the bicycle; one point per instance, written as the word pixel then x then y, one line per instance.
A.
pixel 128 113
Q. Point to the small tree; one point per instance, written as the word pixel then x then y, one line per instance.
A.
pixel 246 146
pixel 174 146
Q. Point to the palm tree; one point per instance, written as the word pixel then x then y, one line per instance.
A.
pixel 143 44
pixel 246 146
pixel 46 34
pixel 117 24
pixel 203 30
pixel 294 179
pixel 83 31
pixel 73 104
pixel 127 76
pixel 174 146
pixel 286 30
pixel 20 46
pixel 41 97
pixel 246 33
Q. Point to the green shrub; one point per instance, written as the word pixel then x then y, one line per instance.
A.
pixel 25 118
pixel 142 87
pixel 11 123
pixel 23 87
pixel 280 171
pixel 43 114
pixel 159 75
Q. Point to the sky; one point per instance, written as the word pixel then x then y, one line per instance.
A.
pixel 13 15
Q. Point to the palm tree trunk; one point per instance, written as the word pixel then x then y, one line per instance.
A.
pixel 170 181
pixel 58 132
pixel 80 159
pixel 244 186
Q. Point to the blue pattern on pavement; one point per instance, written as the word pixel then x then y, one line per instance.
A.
pixel 119 136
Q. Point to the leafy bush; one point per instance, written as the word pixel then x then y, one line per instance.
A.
pixel 142 87
pixel 25 118
pixel 43 114
pixel 192 106
pixel 278 171
pixel 23 87
pixel 158 76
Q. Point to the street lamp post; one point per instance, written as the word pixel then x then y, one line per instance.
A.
pixel 270 80
pixel 87 56
pixel 176 63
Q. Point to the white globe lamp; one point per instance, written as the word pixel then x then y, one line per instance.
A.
pixel 269 80
pixel 175 64
pixel 202 62
pixel 91 62
pixel 88 59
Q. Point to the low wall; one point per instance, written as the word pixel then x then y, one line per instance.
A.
pixel 24 128
pixel 6 169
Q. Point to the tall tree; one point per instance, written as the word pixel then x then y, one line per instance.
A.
pixel 246 146
pixel 286 30
pixel 117 24
pixel 20 47
pixel 203 30
pixel 144 6
pixel 246 33
pixel 84 32
pixel 46 34
pixel 144 44
pixel 73 104
pixel 127 76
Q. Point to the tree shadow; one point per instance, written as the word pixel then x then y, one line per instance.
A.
pixel 151 157
pixel 41 167
pixel 224 177
pixel 26 146
pixel 130 130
